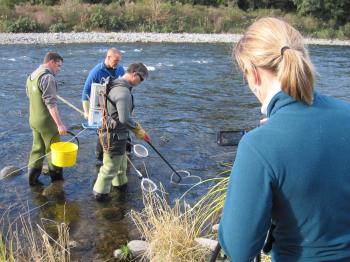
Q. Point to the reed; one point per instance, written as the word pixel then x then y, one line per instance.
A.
pixel 22 240
pixel 170 231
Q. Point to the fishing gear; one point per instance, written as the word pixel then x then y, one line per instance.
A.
pixel 70 105
pixel 146 184
pixel 139 150
pixel 229 137
pixel 162 157
pixel 187 176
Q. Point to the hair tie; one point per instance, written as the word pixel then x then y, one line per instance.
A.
pixel 284 49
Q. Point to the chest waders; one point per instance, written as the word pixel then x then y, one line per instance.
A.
pixel 113 170
pixel 43 129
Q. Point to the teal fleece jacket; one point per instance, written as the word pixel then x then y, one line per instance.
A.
pixel 295 171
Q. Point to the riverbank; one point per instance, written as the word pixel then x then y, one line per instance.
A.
pixel 98 37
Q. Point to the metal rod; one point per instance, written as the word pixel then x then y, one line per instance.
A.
pixel 139 174
pixel 69 104
pixel 165 160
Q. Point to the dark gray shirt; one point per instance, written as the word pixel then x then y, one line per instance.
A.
pixel 47 85
pixel 121 95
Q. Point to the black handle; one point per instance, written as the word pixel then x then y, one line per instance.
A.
pixel 165 161
pixel 215 254
pixel 68 132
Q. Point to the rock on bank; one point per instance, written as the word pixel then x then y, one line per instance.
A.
pixel 98 37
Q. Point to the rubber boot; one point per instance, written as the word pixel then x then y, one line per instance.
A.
pixel 100 197
pixel 34 174
pixel 56 174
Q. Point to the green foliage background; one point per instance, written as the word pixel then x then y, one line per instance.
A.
pixel 315 18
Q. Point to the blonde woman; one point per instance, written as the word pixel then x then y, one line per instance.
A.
pixel 295 169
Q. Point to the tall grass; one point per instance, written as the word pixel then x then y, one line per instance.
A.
pixel 170 231
pixel 22 240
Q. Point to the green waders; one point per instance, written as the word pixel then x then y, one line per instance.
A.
pixel 113 171
pixel 43 128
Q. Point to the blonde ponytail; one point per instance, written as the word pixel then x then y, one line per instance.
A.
pixel 295 73
pixel 274 45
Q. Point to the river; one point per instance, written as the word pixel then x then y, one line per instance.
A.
pixel 194 90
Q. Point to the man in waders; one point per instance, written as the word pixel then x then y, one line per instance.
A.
pixel 115 133
pixel 109 68
pixel 44 119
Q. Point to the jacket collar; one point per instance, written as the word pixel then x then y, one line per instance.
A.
pixel 280 100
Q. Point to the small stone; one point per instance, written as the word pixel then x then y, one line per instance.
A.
pixel 138 247
pixel 206 242
pixel 10 171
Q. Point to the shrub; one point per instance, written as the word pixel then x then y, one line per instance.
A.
pixel 99 19
pixel 23 25
pixel 59 27
pixel 347 30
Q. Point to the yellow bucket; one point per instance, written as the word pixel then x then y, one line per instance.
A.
pixel 64 154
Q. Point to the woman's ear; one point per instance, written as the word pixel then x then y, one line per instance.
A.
pixel 257 78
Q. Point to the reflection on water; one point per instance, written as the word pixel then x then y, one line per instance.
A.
pixel 193 91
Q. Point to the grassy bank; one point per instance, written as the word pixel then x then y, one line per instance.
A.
pixel 23 240
pixel 152 16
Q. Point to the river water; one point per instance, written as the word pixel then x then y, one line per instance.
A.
pixel 193 91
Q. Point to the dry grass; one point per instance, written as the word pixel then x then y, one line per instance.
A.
pixel 20 240
pixel 170 231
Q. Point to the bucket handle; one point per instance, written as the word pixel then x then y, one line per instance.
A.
pixel 68 132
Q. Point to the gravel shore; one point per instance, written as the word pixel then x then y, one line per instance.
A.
pixel 68 38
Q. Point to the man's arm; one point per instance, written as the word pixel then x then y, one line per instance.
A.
pixel 49 94
pixel 86 95
pixel 62 130
pixel 123 103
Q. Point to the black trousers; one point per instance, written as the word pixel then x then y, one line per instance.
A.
pixel 99 149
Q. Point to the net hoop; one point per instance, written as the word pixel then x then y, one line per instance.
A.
pixel 140 150
pixel 187 175
pixel 148 185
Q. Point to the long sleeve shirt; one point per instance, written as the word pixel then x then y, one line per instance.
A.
pixel 47 86
pixel 97 74
pixel 294 171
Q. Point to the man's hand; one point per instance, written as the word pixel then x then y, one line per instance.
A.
pixel 86 109
pixel 62 130
pixel 140 133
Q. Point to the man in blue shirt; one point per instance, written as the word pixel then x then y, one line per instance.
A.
pixel 110 67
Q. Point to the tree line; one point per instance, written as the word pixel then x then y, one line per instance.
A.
pixel 336 10
pixel 314 18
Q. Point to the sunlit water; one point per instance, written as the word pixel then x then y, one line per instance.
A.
pixel 192 92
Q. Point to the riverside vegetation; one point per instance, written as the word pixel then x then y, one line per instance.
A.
pixel 324 19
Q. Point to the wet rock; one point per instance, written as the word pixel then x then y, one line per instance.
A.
pixel 206 242
pixel 54 190
pixel 138 247
pixel 118 254
pixel 10 171
pixel 110 213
